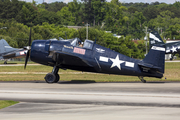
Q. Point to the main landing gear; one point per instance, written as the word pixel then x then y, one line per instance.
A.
pixel 172 57
pixel 142 79
pixel 5 62
pixel 53 77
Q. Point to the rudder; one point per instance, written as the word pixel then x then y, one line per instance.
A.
pixel 155 39
pixel 5 47
pixel 155 58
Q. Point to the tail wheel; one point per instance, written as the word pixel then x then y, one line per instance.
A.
pixel 142 79
pixel 50 78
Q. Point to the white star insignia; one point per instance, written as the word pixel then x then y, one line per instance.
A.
pixel 116 62
pixel 173 49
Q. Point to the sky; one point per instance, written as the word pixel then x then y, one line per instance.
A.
pixel 126 1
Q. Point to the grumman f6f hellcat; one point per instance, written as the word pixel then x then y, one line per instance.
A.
pixel 67 54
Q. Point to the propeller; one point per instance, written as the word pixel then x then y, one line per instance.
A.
pixel 28 48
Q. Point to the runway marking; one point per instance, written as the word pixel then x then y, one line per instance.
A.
pixel 97 94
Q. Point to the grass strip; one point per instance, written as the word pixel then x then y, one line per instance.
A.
pixel 80 77
pixel 16 62
pixel 6 103
pixel 36 73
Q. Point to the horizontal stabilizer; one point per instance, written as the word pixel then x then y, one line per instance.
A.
pixel 149 66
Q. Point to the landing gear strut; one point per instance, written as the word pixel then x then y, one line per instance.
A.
pixel 52 77
pixel 5 62
pixel 172 57
pixel 142 79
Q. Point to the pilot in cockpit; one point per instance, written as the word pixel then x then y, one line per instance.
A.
pixel 77 42
pixel 80 44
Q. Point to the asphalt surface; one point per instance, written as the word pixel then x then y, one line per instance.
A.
pixel 74 100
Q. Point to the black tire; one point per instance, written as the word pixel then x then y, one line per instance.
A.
pixel 50 78
pixel 57 78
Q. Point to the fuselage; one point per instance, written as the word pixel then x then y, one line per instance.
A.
pixel 172 48
pixel 91 58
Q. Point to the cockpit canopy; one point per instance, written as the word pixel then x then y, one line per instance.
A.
pixel 75 41
pixel 88 44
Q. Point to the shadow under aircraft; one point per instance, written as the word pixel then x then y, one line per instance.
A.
pixel 8 52
pixel 91 57
pixel 171 48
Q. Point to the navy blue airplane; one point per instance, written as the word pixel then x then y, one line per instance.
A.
pixel 67 54
pixel 7 52
pixel 171 48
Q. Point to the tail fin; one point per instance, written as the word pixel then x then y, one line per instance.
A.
pixel 4 46
pixel 155 59
pixel 155 38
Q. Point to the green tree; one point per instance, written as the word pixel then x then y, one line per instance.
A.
pixel 114 16
pixel 66 16
pixel 27 14
pixel 98 10
pixel 173 31
pixel 54 6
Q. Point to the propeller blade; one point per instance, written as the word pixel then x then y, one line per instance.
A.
pixel 28 48
pixel 27 57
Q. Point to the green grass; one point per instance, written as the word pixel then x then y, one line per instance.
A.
pixel 16 62
pixel 34 68
pixel 67 77
pixel 172 73
pixel 6 103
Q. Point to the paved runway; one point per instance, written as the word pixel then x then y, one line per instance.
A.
pixel 88 100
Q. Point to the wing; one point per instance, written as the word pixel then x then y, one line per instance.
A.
pixel 16 54
pixel 10 55
pixel 69 59
pixel 149 66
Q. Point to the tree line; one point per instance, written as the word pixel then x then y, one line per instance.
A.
pixel 120 18
pixel 126 19
pixel 17 35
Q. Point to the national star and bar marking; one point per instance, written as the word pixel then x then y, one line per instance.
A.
pixel 116 62
pixel 173 49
